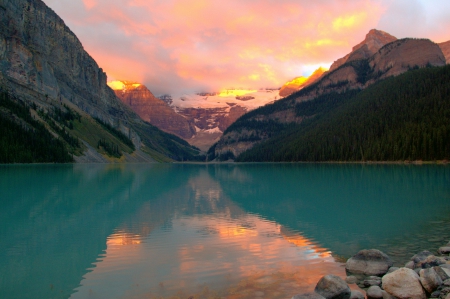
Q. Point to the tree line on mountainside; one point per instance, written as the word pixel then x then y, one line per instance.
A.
pixel 25 140
pixel 400 118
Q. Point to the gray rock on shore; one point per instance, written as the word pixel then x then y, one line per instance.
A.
pixel 333 287
pixel 429 279
pixel 403 284
pixel 312 295
pixel 374 292
pixel 369 262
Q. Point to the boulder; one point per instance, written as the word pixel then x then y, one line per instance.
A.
pixel 372 281
pixel 374 292
pixel 369 262
pixel 386 295
pixel 311 295
pixel 421 256
pixel 403 284
pixel 441 272
pixel 444 250
pixel 392 269
pixel 333 287
pixel 429 279
pixel 357 295
pixel 351 279
pixel 430 261
pixel 410 265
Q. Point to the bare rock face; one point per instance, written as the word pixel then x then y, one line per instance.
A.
pixel 42 58
pixel 369 262
pixel 374 41
pixel 403 284
pixel 154 110
pixel 301 82
pixel 445 47
pixel 398 57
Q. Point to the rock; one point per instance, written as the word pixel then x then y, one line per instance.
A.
pixel 311 295
pixel 446 282
pixel 431 261
pixel 445 292
pixel 421 256
pixel 429 279
pixel 386 295
pixel 392 269
pixel 369 262
pixel 333 287
pixel 444 250
pixel 372 281
pixel 356 295
pixel 410 265
pixel 435 294
pixel 441 272
pixel 351 279
pixel 403 283
pixel 374 292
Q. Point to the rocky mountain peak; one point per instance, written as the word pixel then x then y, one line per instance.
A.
pixel 445 47
pixel 374 41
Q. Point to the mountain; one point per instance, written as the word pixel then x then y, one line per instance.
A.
pixel 45 69
pixel 374 41
pixel 300 82
pixel 354 72
pixel 152 109
pixel 445 47
pixel 403 118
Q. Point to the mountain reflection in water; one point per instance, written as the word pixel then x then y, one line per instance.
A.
pixel 235 231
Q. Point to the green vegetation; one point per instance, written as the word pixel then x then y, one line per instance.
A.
pixel 117 134
pixel 165 147
pixel 110 148
pixel 397 119
pixel 25 140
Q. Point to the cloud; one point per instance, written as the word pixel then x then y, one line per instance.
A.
pixel 176 46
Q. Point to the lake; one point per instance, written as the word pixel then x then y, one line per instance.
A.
pixel 208 231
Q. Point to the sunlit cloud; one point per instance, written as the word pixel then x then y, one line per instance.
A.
pixel 178 46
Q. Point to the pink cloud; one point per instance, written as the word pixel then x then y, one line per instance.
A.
pixel 174 46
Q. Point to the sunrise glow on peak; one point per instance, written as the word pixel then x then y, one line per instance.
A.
pixel 122 85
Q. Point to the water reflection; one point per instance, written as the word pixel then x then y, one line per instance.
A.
pixel 239 231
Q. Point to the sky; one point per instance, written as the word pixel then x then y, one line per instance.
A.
pixel 186 46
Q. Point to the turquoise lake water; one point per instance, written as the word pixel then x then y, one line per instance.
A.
pixel 208 231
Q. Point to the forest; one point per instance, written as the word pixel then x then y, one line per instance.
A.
pixel 403 118
pixel 25 140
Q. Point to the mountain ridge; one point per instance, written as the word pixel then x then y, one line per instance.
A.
pixel 392 59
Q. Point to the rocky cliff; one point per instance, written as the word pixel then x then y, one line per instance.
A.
pixel 374 41
pixel 370 61
pixel 445 47
pixel 152 109
pixel 43 62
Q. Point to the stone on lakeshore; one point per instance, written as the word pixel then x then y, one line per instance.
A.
pixel 351 279
pixel 446 282
pixel 435 294
pixel 429 279
pixel 357 295
pixel 421 256
pixel 333 287
pixel 430 261
pixel 311 295
pixel 386 295
pixel 410 265
pixel 369 262
pixel 444 250
pixel 374 292
pixel 445 292
pixel 372 281
pixel 392 269
pixel 403 284
pixel 441 272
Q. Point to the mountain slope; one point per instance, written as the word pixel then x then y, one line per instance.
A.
pixel 152 109
pixel 44 64
pixel 400 118
pixel 301 82
pixel 266 122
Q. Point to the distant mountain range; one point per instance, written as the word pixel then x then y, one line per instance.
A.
pixel 378 57
pixel 45 70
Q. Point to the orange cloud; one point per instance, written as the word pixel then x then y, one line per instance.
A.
pixel 204 45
